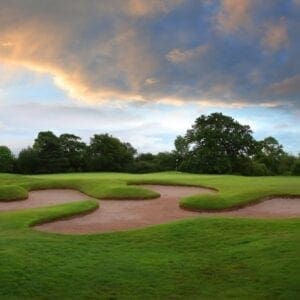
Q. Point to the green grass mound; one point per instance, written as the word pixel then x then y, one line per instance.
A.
pixel 56 212
pixel 230 200
pixel 12 193
pixel 101 189
pixel 130 192
pixel 199 258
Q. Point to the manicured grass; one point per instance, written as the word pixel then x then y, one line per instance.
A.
pixel 101 189
pixel 201 258
pixel 233 191
pixel 12 193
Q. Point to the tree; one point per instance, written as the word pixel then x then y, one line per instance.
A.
pixel 47 146
pixel 286 164
pixel 148 162
pixel 28 161
pixel 73 151
pixel 181 152
pixel 296 168
pixel 144 163
pixel 108 153
pixel 215 144
pixel 165 161
pixel 271 153
pixel 6 160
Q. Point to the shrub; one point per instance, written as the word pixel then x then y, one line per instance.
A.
pixel 253 168
pixel 6 159
pixel 143 167
pixel 296 168
pixel 260 169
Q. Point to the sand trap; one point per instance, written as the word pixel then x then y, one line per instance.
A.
pixel 116 215
pixel 43 198
pixel 272 208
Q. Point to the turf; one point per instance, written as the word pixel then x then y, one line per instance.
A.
pixel 12 193
pixel 232 191
pixel 202 258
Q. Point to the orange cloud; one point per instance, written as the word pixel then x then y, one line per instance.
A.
pixel 180 56
pixel 288 86
pixel 297 2
pixel 234 14
pixel 276 35
pixel 44 47
pixel 114 50
pixel 150 7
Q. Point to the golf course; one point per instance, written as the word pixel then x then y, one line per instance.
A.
pixel 167 235
pixel 149 150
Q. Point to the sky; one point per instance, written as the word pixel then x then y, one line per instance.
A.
pixel 144 70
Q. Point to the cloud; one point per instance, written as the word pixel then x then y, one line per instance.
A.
pixel 297 2
pixel 287 86
pixel 150 7
pixel 276 35
pixel 150 128
pixel 92 51
pixel 165 51
pixel 177 56
pixel 234 15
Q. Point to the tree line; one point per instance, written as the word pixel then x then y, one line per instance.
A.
pixel 216 144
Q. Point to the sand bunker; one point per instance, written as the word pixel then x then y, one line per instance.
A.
pixel 44 198
pixel 116 215
pixel 272 208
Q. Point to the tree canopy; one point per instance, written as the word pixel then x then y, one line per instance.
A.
pixel 6 160
pixel 107 153
pixel 215 144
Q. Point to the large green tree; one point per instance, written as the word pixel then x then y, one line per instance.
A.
pixel 107 153
pixel 296 167
pixel 47 146
pixel 73 151
pixel 148 162
pixel 270 152
pixel 6 159
pixel 28 161
pixel 215 144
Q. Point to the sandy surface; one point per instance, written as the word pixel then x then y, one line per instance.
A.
pixel 116 215
pixel 44 198
pixel 272 208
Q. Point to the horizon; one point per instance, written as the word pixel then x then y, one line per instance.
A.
pixel 143 71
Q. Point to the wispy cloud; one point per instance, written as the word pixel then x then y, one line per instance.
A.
pixel 276 35
pixel 234 15
pixel 177 56
pixel 287 86
pixel 156 50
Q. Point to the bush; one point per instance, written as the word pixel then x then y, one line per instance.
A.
pixel 253 168
pixel 260 169
pixel 6 160
pixel 296 168
pixel 143 167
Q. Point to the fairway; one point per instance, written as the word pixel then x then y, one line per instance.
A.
pixel 206 257
pixel 125 214
pixel 149 150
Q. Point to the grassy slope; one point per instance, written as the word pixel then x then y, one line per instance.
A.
pixel 202 258
pixel 234 191
pixel 12 193
pixel 112 188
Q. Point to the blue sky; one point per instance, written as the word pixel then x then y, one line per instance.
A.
pixel 144 70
